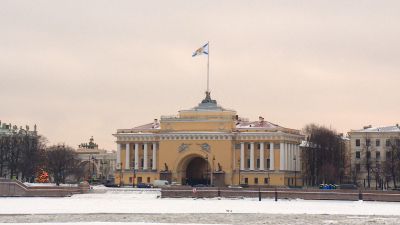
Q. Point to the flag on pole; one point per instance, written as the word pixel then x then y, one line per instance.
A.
pixel 201 51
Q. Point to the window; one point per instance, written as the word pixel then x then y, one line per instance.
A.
pixel 248 163
pixel 148 179
pixel 139 179
pixel 258 163
pixel 357 142
pixel 358 155
pixel 258 146
pixel 123 146
pixel 368 154
pixel 265 180
pixel 358 167
pixel 368 142
pixel 133 146
pixel 378 142
pixel 268 146
pixel 151 163
pixel 387 142
pixel 397 142
pixel 378 154
pixel 388 155
pixel 246 180
pixel 255 180
pixel 268 164
pixel 141 162
pixel 142 147
pixel 151 147
pixel 248 146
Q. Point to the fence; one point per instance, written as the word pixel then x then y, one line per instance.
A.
pixel 277 193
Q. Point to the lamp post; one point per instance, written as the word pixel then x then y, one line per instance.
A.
pixel 269 181
pixel 93 158
pixel 134 174
pixel 207 170
pixel 295 180
pixel 239 169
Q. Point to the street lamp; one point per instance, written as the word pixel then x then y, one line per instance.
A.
pixel 295 180
pixel 134 172
pixel 269 181
pixel 207 170
pixel 93 158
pixel 239 168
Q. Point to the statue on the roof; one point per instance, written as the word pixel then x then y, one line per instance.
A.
pixel 208 98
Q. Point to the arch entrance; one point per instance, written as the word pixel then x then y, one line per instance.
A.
pixel 197 171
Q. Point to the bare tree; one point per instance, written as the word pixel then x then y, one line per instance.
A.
pixel 324 154
pixel 61 161
pixel 367 160
pixel 391 165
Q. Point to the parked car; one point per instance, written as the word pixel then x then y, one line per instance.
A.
pixel 245 185
pixel 112 185
pixel 235 186
pixel 199 185
pixel 142 185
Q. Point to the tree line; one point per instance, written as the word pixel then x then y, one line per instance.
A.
pixel 324 156
pixel 21 156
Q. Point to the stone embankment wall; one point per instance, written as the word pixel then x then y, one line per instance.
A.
pixel 15 188
pixel 311 194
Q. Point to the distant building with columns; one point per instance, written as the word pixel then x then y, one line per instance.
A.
pixel 209 144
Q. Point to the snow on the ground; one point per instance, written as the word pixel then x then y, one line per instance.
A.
pixel 148 201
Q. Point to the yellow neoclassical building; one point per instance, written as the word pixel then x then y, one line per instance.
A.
pixel 209 145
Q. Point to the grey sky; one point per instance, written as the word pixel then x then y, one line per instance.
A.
pixel 83 68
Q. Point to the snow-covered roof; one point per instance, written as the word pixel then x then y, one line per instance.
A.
pixel 257 124
pixel 395 128
pixel 148 126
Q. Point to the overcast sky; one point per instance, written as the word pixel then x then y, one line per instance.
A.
pixel 87 68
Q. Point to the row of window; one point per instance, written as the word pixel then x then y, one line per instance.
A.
pixel 257 163
pixel 123 147
pixel 377 154
pixel 246 180
pixel 139 180
pixel 377 142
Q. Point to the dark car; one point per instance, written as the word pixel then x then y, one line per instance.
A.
pixel 112 185
pixel 244 185
pixel 199 185
pixel 142 185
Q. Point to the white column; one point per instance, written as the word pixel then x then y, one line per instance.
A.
pixel 286 156
pixel 127 156
pixel 145 156
pixel 251 155
pixel 281 156
pixel 136 156
pixel 261 155
pixel 154 156
pixel 291 157
pixel 241 155
pixel 271 156
pixel 298 158
pixel 118 153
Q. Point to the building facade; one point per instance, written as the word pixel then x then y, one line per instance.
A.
pixel 370 148
pixel 209 145
pixel 96 164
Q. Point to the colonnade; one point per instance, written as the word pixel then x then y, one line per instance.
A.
pixel 128 162
pixel 289 156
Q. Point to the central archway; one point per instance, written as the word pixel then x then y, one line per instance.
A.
pixel 197 172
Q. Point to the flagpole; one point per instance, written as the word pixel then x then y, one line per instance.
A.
pixel 208 66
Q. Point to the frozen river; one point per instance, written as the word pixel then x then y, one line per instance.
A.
pixel 146 207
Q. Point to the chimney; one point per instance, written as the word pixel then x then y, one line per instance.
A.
pixel 260 118
pixel 237 117
pixel 155 120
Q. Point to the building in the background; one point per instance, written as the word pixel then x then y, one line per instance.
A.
pixel 97 164
pixel 372 149
pixel 209 144
pixel 9 129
